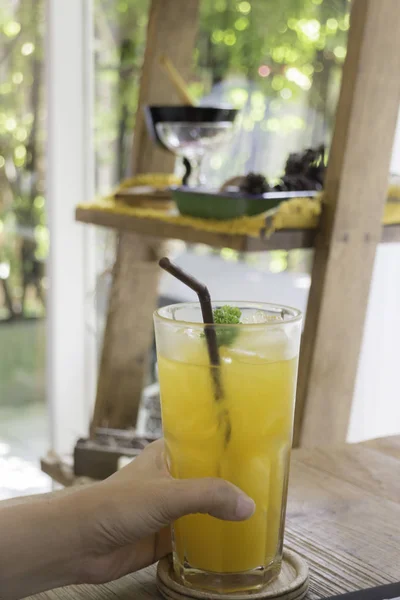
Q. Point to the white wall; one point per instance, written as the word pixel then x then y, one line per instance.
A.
pixel 376 405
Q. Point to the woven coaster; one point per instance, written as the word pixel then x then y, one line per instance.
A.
pixel 292 583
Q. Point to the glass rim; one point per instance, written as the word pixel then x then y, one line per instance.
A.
pixel 296 314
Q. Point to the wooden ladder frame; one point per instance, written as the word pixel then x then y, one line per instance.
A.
pixel 171 30
pixel 345 246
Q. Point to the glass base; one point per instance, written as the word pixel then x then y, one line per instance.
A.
pixel 226 583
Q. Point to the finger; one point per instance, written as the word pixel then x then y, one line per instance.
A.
pixel 155 448
pixel 149 464
pixel 215 497
pixel 153 458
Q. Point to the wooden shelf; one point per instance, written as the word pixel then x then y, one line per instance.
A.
pixel 61 471
pixel 390 234
pixel 285 239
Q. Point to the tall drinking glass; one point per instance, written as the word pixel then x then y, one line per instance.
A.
pixel 242 434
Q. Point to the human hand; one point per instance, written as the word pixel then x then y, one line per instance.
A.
pixel 125 520
pixel 100 532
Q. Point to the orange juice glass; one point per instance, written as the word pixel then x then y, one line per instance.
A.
pixel 243 437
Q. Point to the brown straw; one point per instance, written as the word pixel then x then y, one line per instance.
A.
pixel 208 319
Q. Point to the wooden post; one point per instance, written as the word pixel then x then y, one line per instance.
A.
pixel 171 30
pixel 350 229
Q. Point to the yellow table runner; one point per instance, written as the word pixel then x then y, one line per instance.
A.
pixel 298 213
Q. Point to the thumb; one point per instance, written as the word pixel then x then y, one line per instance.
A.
pixel 215 497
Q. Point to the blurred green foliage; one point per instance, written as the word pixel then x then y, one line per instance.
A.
pixel 267 54
pixel 278 60
pixel 23 233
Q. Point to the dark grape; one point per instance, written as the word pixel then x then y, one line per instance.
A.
pixel 304 171
pixel 254 183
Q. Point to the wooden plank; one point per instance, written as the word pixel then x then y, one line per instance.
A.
pixel 171 30
pixel 390 446
pixel 333 494
pixel 58 471
pixel 159 229
pixel 350 226
pixel 284 239
pixel 368 467
pixel 128 332
pixel 326 523
pixel 61 471
pixel 390 234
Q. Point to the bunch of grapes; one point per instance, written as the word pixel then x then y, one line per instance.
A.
pixel 254 183
pixel 304 171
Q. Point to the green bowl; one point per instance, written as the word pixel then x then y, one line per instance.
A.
pixel 223 206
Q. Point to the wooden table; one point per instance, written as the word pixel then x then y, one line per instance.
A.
pixel 343 517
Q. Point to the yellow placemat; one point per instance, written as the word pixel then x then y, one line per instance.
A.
pixel 298 213
pixel 243 226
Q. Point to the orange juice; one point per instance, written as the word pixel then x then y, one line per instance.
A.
pixel 257 406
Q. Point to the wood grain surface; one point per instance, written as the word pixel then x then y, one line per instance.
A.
pixel 128 332
pixel 292 583
pixel 343 518
pixel 171 30
pixel 285 239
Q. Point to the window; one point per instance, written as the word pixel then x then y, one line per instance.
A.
pixel 280 62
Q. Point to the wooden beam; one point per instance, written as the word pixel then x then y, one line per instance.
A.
pixel 283 239
pixel 350 227
pixel 390 234
pixel 128 332
pixel 172 31
pixel 61 471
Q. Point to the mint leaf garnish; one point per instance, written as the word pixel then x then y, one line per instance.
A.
pixel 227 315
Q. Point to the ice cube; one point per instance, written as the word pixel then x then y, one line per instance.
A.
pixel 269 343
pixel 261 316
pixel 183 344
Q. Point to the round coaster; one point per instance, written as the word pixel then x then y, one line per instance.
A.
pixel 292 583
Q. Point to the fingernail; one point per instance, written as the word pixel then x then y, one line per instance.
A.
pixel 245 507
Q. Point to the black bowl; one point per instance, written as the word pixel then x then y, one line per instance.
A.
pixel 185 114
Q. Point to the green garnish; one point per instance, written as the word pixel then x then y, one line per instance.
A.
pixel 227 315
